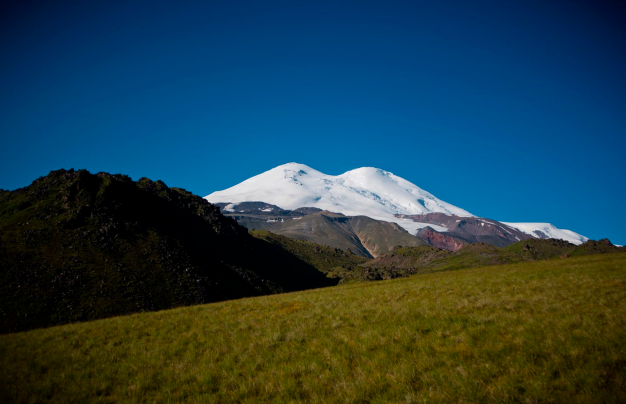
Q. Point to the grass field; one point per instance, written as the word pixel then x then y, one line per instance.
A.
pixel 544 331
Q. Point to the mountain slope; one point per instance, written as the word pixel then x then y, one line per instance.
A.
pixel 362 235
pixel 76 246
pixel 459 231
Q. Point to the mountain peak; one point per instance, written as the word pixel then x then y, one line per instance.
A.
pixel 367 191
pixel 293 167
pixel 369 171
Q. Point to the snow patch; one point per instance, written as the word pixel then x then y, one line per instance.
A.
pixel 413 227
pixel 549 230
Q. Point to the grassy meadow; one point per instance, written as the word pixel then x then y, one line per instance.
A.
pixel 544 331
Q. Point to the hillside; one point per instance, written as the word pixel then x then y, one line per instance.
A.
pixel 544 331
pixel 401 262
pixel 323 258
pixel 405 261
pixel 75 246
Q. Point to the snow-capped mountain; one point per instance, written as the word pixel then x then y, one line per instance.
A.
pixel 366 191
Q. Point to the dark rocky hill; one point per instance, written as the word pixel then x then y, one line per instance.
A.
pixel 76 246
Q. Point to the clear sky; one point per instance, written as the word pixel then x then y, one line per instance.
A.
pixel 512 110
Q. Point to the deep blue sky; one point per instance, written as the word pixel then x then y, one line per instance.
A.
pixel 511 110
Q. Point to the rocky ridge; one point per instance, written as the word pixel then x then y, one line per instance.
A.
pixel 77 246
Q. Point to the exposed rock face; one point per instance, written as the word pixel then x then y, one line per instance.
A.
pixel 469 229
pixel 261 215
pixel 441 240
pixel 262 209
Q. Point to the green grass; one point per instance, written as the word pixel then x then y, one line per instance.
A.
pixel 544 331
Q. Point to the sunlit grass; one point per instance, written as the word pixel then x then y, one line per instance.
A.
pixel 546 331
